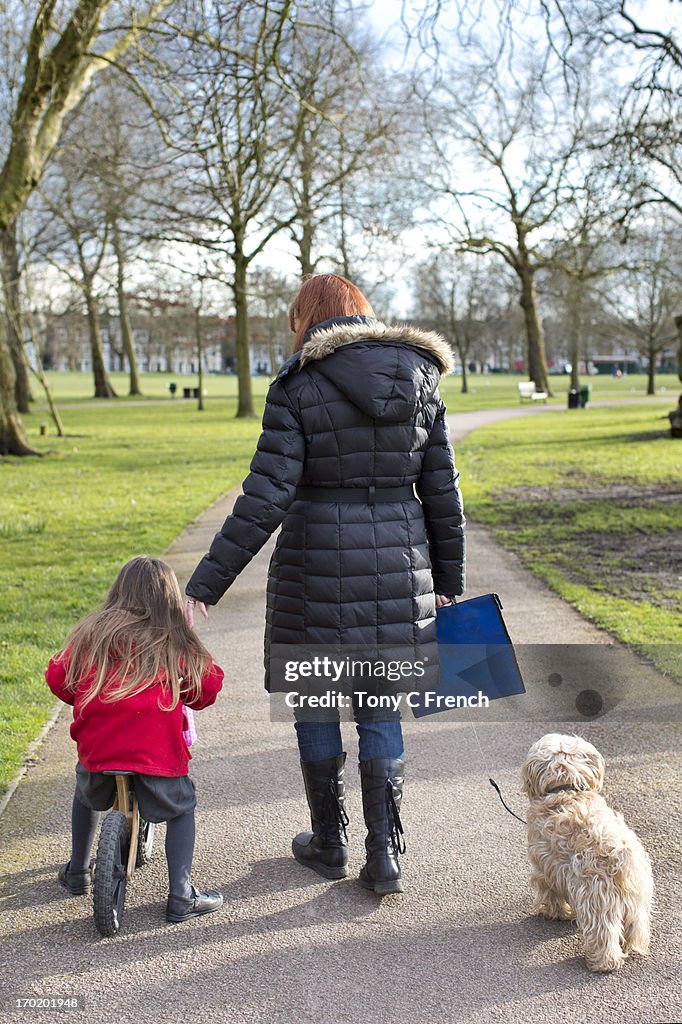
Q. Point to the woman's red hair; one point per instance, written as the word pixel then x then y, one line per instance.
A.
pixel 324 297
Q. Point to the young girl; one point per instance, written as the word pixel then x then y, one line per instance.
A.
pixel 127 669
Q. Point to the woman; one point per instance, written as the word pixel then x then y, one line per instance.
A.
pixel 352 424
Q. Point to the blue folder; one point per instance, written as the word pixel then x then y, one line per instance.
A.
pixel 476 655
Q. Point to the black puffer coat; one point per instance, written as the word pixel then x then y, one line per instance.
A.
pixel 358 406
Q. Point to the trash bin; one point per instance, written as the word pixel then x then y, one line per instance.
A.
pixel 573 399
pixel 585 392
pixel 195 392
pixel 186 392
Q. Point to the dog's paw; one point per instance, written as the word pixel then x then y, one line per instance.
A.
pixel 555 911
pixel 605 965
pixel 642 950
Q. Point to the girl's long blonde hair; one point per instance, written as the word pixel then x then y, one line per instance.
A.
pixel 137 637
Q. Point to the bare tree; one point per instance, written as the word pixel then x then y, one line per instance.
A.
pixel 453 293
pixel 36 362
pixel 276 118
pixel 521 138
pixel 349 121
pixel 127 338
pixel 60 61
pixel 234 132
pixel 119 159
pixel 132 166
pixel 77 242
pixel 643 301
pixel 646 140
pixel 586 248
pixel 111 161
pixel 642 139
pixel 271 293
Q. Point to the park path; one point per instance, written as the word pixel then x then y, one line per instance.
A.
pixel 290 948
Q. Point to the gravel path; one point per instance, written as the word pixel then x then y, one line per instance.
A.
pixel 289 948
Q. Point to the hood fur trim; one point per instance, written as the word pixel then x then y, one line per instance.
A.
pixel 324 342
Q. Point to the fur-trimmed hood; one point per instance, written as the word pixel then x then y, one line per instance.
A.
pixel 387 371
pixel 322 340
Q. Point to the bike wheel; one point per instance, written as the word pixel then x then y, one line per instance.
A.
pixel 145 843
pixel 109 884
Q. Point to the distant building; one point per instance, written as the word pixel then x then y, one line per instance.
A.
pixel 164 334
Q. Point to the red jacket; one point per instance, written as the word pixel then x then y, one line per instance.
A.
pixel 134 734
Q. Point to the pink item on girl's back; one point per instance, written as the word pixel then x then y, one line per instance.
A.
pixel 189 732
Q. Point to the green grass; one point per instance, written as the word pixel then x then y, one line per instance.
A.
pixel 494 391
pixel 78 387
pixel 131 475
pixel 592 502
pixel 127 483
pixel 486 390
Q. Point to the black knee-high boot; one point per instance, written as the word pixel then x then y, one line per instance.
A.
pixel 184 900
pixel 76 876
pixel 382 792
pixel 325 848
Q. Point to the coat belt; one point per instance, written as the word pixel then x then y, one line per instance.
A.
pixel 358 495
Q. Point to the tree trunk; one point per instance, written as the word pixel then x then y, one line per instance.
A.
pixel 39 369
pixel 535 341
pixel 103 387
pixel 465 380
pixel 678 325
pixel 124 319
pixel 651 370
pixel 273 357
pixel 15 341
pixel 200 357
pixel 241 314
pixel 13 440
pixel 576 331
pixel 306 219
pixel 343 240
pixel 305 248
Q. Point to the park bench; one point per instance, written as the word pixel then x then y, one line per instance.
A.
pixel 528 393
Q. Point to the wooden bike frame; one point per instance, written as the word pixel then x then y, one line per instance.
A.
pixel 124 804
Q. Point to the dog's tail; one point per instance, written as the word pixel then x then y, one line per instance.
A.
pixel 632 874
pixel 630 865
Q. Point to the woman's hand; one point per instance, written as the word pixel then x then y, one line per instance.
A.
pixel 442 601
pixel 188 611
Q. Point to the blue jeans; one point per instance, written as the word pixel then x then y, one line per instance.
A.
pixel 319 741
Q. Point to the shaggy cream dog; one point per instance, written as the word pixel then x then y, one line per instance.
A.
pixel 585 862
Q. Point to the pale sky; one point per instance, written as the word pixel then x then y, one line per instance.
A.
pixel 662 15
